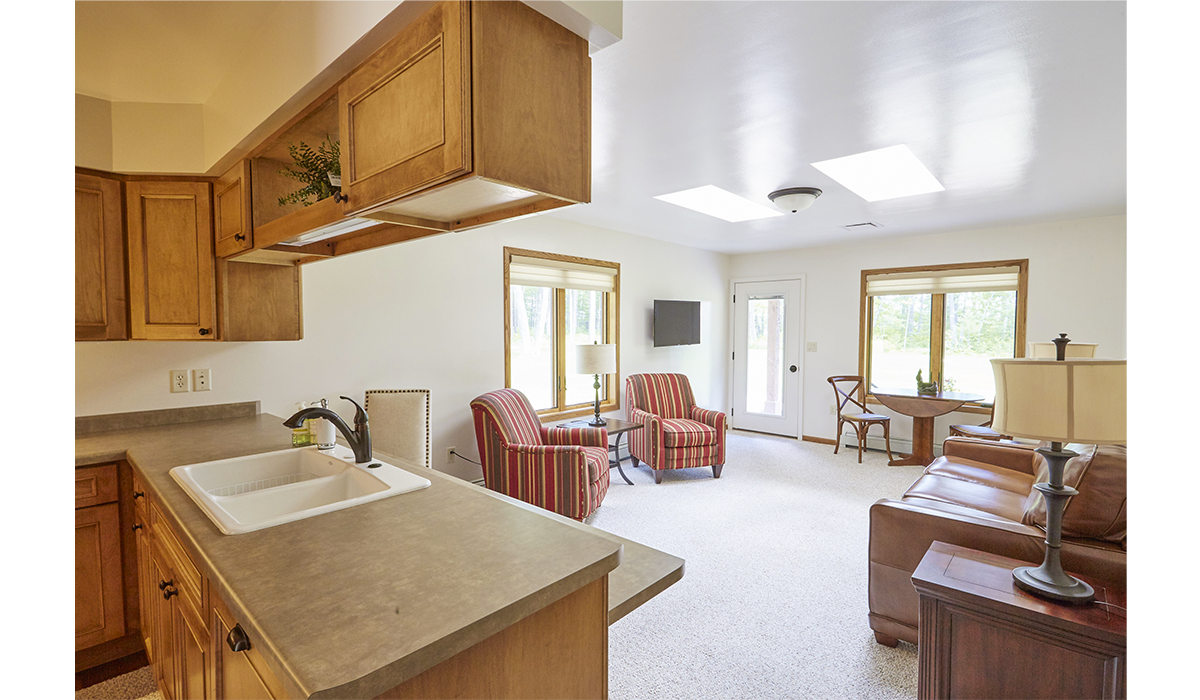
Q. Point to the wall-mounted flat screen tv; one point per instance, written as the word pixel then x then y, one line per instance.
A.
pixel 676 323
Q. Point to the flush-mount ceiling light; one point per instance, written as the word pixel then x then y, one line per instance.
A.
pixel 714 201
pixel 882 174
pixel 794 199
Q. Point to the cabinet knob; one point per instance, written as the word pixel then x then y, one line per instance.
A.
pixel 137 526
pixel 138 494
pixel 237 639
pixel 169 592
pixel 164 584
pixel 205 331
pixel 238 237
pixel 339 197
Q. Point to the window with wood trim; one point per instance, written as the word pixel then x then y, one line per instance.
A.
pixel 946 321
pixel 551 304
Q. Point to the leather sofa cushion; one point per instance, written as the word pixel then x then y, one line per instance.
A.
pixel 969 494
pixel 1098 512
pixel 683 432
pixel 984 474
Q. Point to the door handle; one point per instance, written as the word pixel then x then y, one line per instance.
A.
pixel 792 368
pixel 237 639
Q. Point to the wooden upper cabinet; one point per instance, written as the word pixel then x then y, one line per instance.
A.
pixel 405 113
pixel 99 260
pixel 232 227
pixel 172 293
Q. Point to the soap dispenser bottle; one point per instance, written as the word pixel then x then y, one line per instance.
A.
pixel 302 436
pixel 326 434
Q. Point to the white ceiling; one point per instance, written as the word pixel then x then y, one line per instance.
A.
pixel 1018 108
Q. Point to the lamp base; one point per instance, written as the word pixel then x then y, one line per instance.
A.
pixel 597 421
pixel 1044 583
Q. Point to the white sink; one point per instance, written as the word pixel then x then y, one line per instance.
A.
pixel 249 493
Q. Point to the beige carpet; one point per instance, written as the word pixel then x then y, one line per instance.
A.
pixel 135 685
pixel 773 600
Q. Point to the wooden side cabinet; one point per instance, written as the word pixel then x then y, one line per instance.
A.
pixel 982 637
pixel 99 589
pixel 172 293
pixel 99 259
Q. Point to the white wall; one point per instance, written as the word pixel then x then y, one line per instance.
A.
pixel 1076 286
pixel 422 314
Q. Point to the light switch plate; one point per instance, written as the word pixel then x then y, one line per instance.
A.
pixel 179 380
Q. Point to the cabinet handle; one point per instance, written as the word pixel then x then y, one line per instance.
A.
pixel 238 237
pixel 169 592
pixel 237 639
pixel 137 527
pixel 339 197
pixel 164 584
pixel 205 331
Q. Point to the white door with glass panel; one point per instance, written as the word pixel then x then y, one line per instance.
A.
pixel 767 356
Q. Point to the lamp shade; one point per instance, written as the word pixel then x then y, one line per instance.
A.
pixel 1074 400
pixel 1049 351
pixel 596 359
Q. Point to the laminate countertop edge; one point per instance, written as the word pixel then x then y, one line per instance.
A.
pixel 633 580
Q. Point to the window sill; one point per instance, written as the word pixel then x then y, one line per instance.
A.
pixel 573 412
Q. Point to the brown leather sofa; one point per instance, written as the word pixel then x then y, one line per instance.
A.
pixel 980 494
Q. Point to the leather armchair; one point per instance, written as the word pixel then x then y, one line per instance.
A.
pixel 676 433
pixel 561 469
pixel 980 494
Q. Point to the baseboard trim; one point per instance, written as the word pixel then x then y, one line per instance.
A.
pixel 820 440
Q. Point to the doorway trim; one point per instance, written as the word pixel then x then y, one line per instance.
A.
pixel 782 277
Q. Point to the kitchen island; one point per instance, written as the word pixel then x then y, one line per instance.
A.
pixel 357 602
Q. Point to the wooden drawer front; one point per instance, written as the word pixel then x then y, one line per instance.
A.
pixel 405 114
pixel 186 574
pixel 141 502
pixel 95 485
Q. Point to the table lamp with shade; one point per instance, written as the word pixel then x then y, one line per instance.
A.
pixel 1063 400
pixel 596 359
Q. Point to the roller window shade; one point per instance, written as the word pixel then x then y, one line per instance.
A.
pixel 984 279
pixel 541 272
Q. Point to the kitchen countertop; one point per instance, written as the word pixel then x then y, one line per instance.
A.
pixel 354 602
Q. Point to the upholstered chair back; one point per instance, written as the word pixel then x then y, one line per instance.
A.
pixel 665 395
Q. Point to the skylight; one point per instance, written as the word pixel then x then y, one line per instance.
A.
pixel 886 173
pixel 714 201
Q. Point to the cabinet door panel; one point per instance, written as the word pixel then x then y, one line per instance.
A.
pixel 192 645
pixel 405 114
pixel 172 293
pixel 99 604
pixel 165 661
pixel 99 260
pixel 146 586
pixel 232 211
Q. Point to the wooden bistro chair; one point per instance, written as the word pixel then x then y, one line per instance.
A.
pixel 844 389
pixel 982 432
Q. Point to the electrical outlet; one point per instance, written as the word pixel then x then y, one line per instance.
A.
pixel 810 347
pixel 832 410
pixel 449 455
pixel 179 380
pixel 201 379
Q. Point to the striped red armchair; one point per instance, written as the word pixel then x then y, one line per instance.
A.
pixel 557 468
pixel 677 433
